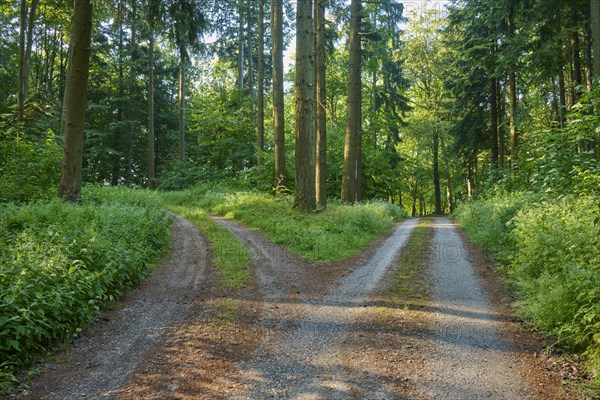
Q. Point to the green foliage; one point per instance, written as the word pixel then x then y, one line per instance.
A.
pixel 334 234
pixel 29 169
pixel 551 248
pixel 60 262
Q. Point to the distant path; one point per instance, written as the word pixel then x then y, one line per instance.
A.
pixel 100 362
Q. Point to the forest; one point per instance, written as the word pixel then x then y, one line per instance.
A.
pixel 324 114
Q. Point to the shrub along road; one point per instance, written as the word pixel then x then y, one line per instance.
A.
pixel 304 331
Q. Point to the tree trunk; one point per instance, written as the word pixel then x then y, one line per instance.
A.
pixel 577 77
pixel 501 131
pixel 29 44
pixel 131 105
pixel 151 151
pixel 512 93
pixel 182 105
pixel 353 120
pixel 449 192
pixel 321 164
pixel 241 47
pixel 260 116
pixel 562 97
pixel 22 71
pixel 436 172
pixel 250 63
pixel 595 11
pixel 494 121
pixel 116 144
pixel 75 101
pixel 305 107
pixel 278 111
pixel 589 67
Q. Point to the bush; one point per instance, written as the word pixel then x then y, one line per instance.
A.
pixel 59 262
pixel 29 169
pixel 557 269
pixel 551 250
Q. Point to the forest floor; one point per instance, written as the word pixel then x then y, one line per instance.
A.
pixel 301 330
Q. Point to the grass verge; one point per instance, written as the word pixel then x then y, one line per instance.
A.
pixel 409 286
pixel 60 263
pixel 334 234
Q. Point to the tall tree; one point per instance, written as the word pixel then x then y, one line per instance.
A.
pixel 595 17
pixel 278 104
pixel 321 110
pixel 131 100
pixel 188 24
pixel 76 101
pixel 305 107
pixel 260 115
pixel 352 154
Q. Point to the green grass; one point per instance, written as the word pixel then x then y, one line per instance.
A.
pixel 229 255
pixel 59 263
pixel 409 285
pixel 337 233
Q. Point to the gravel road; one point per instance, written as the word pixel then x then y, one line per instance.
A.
pixel 300 358
pixel 304 331
pixel 471 358
pixel 101 361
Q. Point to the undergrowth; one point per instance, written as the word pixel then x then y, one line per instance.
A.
pixel 336 233
pixel 60 262
pixel 550 248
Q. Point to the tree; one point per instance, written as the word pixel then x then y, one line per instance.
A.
pixel 595 16
pixel 321 109
pixel 305 198
pixel 260 115
pixel 352 152
pixel 188 24
pixel 75 101
pixel 278 104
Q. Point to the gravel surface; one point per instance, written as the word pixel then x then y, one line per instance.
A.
pixel 100 362
pixel 300 357
pixel 471 358
pixel 304 331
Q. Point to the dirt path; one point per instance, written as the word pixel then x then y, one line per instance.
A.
pixel 471 358
pixel 299 331
pixel 100 362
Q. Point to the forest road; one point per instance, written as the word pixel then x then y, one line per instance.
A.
pixel 298 331
pixel 98 363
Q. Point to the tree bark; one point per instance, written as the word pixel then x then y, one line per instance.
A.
pixel 260 115
pixel 241 47
pixel 436 172
pixel 321 164
pixel 116 144
pixel 278 111
pixel 494 121
pixel 575 43
pixel 76 101
pixel 131 105
pixel 449 190
pixel 21 67
pixel 305 198
pixel 29 44
pixel 501 131
pixel 353 120
pixel 595 13
pixel 182 106
pixel 151 151
pixel 512 93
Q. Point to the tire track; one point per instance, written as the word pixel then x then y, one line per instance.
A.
pixel 300 356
